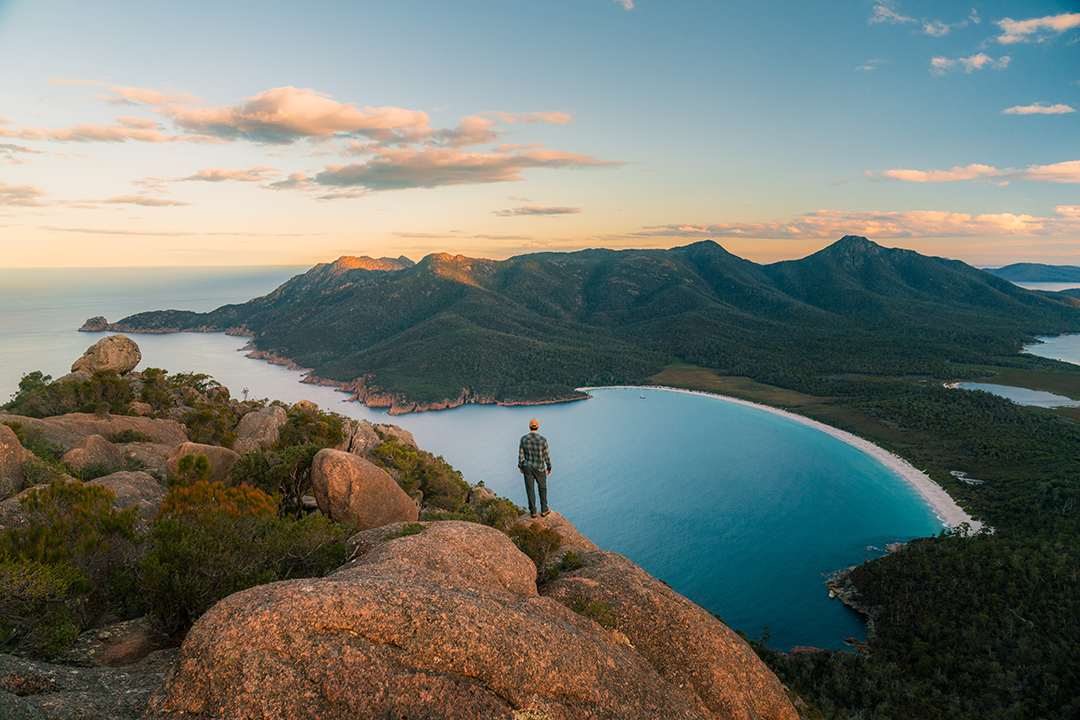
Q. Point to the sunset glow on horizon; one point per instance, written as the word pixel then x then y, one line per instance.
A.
pixel 273 133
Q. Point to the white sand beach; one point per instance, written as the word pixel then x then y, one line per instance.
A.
pixel 950 514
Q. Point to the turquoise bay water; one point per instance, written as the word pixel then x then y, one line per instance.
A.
pixel 741 510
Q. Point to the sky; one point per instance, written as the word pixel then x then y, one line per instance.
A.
pixel 273 133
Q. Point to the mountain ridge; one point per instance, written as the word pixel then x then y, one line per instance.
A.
pixel 532 328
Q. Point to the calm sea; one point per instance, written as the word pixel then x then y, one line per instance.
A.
pixel 741 510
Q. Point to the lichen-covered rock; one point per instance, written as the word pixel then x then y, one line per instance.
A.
pixel 353 491
pixel 418 628
pixel 478 493
pixel 683 642
pixel 403 437
pixel 259 430
pixel 94 450
pixel 147 456
pixel 12 457
pixel 32 690
pixel 221 459
pixel 134 489
pixel 67 430
pixel 116 352
pixel 363 439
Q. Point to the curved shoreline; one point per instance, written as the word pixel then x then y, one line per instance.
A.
pixel 948 512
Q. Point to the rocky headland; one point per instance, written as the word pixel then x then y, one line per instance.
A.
pixel 429 619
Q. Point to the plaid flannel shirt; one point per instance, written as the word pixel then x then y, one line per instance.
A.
pixel 533 452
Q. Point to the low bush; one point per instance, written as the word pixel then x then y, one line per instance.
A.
pixel 598 612
pixel 38 605
pixel 442 485
pixel 63 564
pixel 210 541
pixel 539 543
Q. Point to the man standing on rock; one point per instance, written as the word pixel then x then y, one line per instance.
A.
pixel 533 459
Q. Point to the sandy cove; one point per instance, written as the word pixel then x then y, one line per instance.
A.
pixel 946 509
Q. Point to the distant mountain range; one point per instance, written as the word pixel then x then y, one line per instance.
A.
pixel 453 329
pixel 1036 272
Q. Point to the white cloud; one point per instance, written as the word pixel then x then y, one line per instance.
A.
pixel 1036 29
pixel 871 64
pixel 24 195
pixel 537 210
pixel 874 224
pixel 627 4
pixel 1038 109
pixel 938 65
pixel 885 12
pixel 1063 172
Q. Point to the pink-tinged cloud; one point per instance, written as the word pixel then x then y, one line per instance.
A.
pixel 501 237
pixel 1035 29
pixel 422 236
pixel 131 95
pixel 22 195
pixel 480 129
pixel 139 123
pixel 912 224
pixel 1064 172
pixel 939 65
pixel 256 174
pixel 537 210
pixel 971 172
pixel 10 153
pixel 295 181
pixel 885 12
pixel 143 201
pixel 1068 210
pixel 627 4
pixel 116 133
pixel 397 169
pixel 1039 109
pixel 286 114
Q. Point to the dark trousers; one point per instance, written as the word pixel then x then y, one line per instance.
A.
pixel 540 478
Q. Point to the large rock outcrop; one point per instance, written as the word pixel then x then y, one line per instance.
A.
pixel 134 489
pixel 94 450
pixel 683 642
pixel 444 624
pixel 116 352
pixel 221 459
pixel 259 430
pixel 12 457
pixel 68 430
pixel 355 492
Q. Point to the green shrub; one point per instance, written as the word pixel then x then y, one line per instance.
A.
pixel 498 513
pixel 286 473
pixel 38 397
pixel 571 561
pixel 413 469
pixel 407 530
pixel 129 436
pixel 539 543
pixel 599 612
pixel 38 602
pixel 83 542
pixel 309 425
pixel 34 440
pixel 190 469
pixel 210 541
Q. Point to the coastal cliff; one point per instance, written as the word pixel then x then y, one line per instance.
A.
pixel 437 618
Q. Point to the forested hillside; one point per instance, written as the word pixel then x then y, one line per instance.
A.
pixel 535 327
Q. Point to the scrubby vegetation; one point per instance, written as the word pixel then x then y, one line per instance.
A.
pixel 210 541
pixel 77 559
